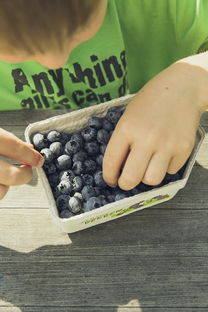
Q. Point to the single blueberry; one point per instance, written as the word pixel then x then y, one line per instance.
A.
pixel 65 187
pixel 80 156
pixel 56 148
pixel 113 114
pixel 110 198
pixel 171 177
pixel 72 147
pixel 78 138
pixel 77 183
pixel 87 179
pixel 63 162
pixel 103 148
pixel 47 154
pixel 53 136
pixel 56 192
pixel 67 174
pixel 87 192
pixel 65 137
pixel 107 125
pixel 95 122
pixel 90 166
pixel 66 214
pixel 103 200
pixel 98 190
pixel 103 136
pixel 39 141
pixel 78 167
pixel 53 179
pixel 120 196
pixel 93 203
pixel 142 187
pixel 78 195
pixel 99 160
pixel 49 168
pixel 62 202
pixel 92 148
pixel 75 204
pixel 89 134
pixel 98 178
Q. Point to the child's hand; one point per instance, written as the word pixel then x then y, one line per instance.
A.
pixel 13 148
pixel 156 133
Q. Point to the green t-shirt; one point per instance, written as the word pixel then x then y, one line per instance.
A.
pixel 137 40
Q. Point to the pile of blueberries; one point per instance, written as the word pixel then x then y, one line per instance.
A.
pixel 73 166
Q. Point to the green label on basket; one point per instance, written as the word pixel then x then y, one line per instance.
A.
pixel 121 211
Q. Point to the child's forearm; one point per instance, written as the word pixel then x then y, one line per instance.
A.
pixel 195 70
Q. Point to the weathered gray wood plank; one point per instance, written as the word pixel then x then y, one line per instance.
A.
pixel 99 309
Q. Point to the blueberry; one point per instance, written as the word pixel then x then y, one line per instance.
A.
pixel 103 136
pixel 65 137
pixel 77 183
pixel 92 148
pixel 89 134
pixel 110 198
pixel 78 167
pixel 53 179
pixel 80 156
pixel 49 168
pixel 66 214
pixel 62 202
pixel 53 136
pixel 47 154
pixel 78 138
pixel 134 191
pixel 56 148
pixel 95 122
pixel 99 160
pixel 144 187
pixel 56 192
pixel 93 203
pixel 113 114
pixel 103 200
pixel 72 147
pixel 75 204
pixel 67 174
pixel 90 165
pixel 171 177
pixel 65 187
pixel 78 195
pixel 107 125
pixel 103 148
pixel 98 190
pixel 98 178
pixel 119 196
pixel 63 162
pixel 39 141
pixel 87 192
pixel 88 179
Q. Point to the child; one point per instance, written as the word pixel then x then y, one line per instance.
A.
pixel 75 53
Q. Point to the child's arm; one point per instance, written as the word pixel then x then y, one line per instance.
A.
pixel 13 148
pixel 156 134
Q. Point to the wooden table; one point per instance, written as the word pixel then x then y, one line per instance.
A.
pixel 154 260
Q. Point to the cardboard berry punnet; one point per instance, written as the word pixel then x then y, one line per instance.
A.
pixel 77 120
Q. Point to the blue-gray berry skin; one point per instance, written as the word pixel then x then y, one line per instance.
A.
pixel 49 168
pixel 90 166
pixel 103 148
pixel 65 137
pixel 113 114
pixel 77 183
pixel 144 187
pixel 92 148
pixel 120 196
pixel 47 154
pixel 93 203
pixel 95 122
pixel 65 214
pixel 98 190
pixel 62 202
pixel 65 187
pixel 63 162
pixel 87 192
pixel 67 174
pixel 78 138
pixel 89 134
pixel 56 192
pixel 53 179
pixel 56 148
pixel 107 125
pixel 134 191
pixel 72 147
pixel 53 136
pixel 103 136
pixel 103 200
pixel 99 160
pixel 110 198
pixel 75 205
pixel 80 156
pixel 171 177
pixel 87 179
pixel 78 167
pixel 98 178
pixel 39 141
pixel 78 195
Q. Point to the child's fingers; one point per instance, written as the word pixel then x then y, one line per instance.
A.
pixel 14 148
pixel 14 175
pixel 134 167
pixel 177 163
pixel 115 155
pixel 3 190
